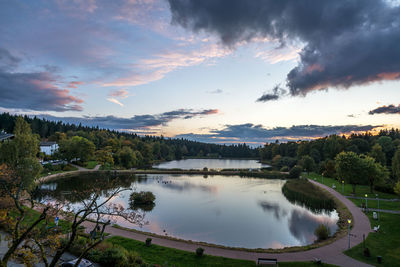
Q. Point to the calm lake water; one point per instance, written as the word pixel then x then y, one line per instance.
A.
pixel 225 210
pixel 216 164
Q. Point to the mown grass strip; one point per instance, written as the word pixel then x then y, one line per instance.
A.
pixel 155 254
pixel 385 243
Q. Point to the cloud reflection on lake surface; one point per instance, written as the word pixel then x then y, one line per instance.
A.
pixel 226 210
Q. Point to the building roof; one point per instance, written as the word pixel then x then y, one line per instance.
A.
pixel 47 143
pixel 5 136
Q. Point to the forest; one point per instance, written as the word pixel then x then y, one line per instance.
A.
pixel 122 148
pixel 322 155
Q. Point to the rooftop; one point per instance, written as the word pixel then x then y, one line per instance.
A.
pixel 5 136
pixel 47 143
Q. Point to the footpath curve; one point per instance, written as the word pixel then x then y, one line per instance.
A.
pixel 331 253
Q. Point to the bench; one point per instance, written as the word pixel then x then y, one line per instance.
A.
pixel 264 261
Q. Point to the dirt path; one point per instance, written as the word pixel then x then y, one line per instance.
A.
pixel 332 253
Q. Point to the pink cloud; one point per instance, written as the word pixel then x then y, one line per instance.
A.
pixel 74 84
pixel 153 69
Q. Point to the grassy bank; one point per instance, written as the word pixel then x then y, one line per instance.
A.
pixel 173 257
pixel 90 164
pixel 303 192
pixel 385 243
pixel 66 168
pixel 32 215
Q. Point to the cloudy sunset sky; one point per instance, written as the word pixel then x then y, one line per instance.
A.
pixel 210 70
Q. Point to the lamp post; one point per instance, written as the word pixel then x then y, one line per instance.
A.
pixel 349 221
pixel 342 187
pixel 377 197
pixel 366 203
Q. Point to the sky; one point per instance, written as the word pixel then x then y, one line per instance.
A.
pixel 220 71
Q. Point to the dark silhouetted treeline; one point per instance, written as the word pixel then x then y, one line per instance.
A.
pixel 151 148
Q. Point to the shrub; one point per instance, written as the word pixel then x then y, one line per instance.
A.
pixel 205 169
pixel 148 241
pixel 114 256
pixel 68 168
pixel 285 169
pixel 142 198
pixel 322 232
pixel 367 253
pixel 295 172
pixel 133 257
pixel 199 251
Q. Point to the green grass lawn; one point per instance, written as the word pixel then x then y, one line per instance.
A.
pixel 49 173
pixel 361 190
pixel 91 164
pixel 385 243
pixel 172 257
pixel 32 215
pixel 373 204
pixel 46 173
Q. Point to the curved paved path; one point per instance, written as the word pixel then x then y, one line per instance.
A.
pixel 332 253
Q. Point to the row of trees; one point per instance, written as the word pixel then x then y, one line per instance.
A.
pixel 357 169
pixel 372 159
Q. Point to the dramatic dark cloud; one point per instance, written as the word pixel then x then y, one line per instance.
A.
pixel 391 109
pixel 277 92
pixel 257 134
pixel 32 91
pixel 136 122
pixel 346 42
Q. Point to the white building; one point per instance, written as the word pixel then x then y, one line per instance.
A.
pixel 48 148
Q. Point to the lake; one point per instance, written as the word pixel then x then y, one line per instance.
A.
pixel 224 210
pixel 216 164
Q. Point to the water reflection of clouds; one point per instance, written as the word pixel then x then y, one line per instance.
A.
pixel 276 208
pixel 275 245
pixel 190 186
pixel 302 224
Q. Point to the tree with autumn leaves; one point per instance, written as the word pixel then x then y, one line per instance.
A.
pixel 30 224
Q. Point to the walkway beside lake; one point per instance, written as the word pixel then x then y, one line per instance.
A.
pixel 331 253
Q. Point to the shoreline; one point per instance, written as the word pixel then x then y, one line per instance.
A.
pixel 337 235
pixel 332 253
pixel 241 173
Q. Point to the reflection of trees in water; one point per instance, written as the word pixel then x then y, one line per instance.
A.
pixel 77 188
pixel 141 207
